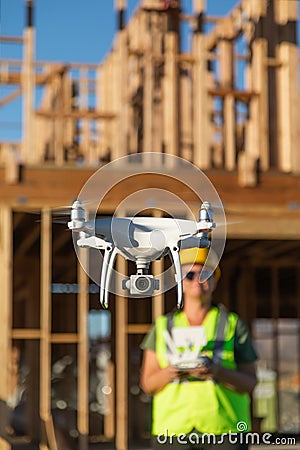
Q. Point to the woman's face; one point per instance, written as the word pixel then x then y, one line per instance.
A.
pixel 192 287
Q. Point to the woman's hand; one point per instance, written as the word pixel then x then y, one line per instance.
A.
pixel 153 377
pixel 207 371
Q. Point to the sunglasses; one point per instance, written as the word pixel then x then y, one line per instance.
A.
pixel 191 275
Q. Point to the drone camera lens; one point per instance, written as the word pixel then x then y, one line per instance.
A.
pixel 143 284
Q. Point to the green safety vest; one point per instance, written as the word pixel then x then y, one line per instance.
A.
pixel 207 406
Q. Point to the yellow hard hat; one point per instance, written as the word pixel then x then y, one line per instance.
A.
pixel 199 256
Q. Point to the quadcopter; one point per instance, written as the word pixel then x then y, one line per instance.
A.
pixel 141 240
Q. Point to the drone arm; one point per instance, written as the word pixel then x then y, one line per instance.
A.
pixel 174 250
pixel 91 241
pixel 110 263
pixel 192 241
pixel 105 273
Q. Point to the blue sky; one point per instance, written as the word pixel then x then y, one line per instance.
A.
pixel 67 31
pixel 73 30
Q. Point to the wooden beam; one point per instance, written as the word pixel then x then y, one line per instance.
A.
pixel 10 97
pixel 109 419
pixel 58 125
pixel 227 75
pixel 268 226
pixel 275 191
pixel 256 131
pixel 64 338
pixel 289 134
pixel 121 99
pixel 12 165
pixel 6 245
pixel 12 39
pixel 76 114
pixel 260 113
pixel 186 114
pixel 51 73
pixel 45 321
pixel 148 96
pixel 138 328
pixel 85 144
pixel 202 157
pixel 231 26
pixel 83 351
pixel 28 87
pixel 243 96
pixel 170 94
pixel 229 133
pixel 26 333
pixel 121 363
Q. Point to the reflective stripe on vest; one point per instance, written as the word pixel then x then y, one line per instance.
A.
pixel 207 406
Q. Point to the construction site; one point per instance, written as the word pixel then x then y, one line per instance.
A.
pixel 227 102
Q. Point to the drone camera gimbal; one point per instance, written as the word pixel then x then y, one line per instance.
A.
pixel 141 285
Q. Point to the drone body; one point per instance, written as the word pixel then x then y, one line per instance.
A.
pixel 141 240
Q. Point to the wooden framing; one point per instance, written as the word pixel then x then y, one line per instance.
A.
pixel 121 364
pixel 200 99
pixel 83 365
pixel 145 84
pixel 49 441
pixel 6 283
pixel 28 88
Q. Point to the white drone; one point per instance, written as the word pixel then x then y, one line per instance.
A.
pixel 142 240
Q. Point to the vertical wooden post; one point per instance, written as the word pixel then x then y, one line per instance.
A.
pixel 288 86
pixel 121 359
pixel 120 84
pixel 11 164
pixel 83 360
pixel 106 99
pixel 260 102
pixel 45 346
pixel 28 85
pixel 186 141
pixel 109 419
pixel 202 155
pixel 68 124
pixel 171 104
pixel 6 295
pixel 157 105
pixel 58 122
pixel 101 126
pixel 229 132
pixel 227 81
pixel 226 62
pixel 148 95
pixel 44 125
pixel 121 364
pixel 257 133
pixel 85 145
